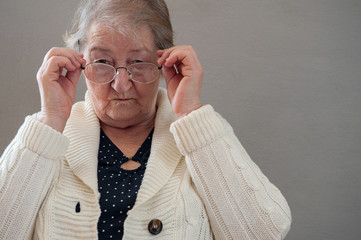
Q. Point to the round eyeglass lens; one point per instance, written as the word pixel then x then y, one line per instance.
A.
pixel 144 72
pixel 99 72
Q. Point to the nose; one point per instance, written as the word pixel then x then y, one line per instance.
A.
pixel 122 81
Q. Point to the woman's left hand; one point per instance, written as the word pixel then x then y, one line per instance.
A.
pixel 185 82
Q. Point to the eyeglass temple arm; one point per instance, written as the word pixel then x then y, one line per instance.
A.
pixel 81 66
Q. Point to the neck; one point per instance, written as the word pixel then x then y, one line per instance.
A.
pixel 129 139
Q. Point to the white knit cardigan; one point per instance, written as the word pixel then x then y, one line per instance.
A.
pixel 199 182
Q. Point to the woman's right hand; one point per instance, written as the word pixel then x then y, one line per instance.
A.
pixel 57 91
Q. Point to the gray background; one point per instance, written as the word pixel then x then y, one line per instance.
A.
pixel 285 73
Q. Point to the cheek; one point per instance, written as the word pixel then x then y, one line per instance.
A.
pixel 99 94
pixel 150 93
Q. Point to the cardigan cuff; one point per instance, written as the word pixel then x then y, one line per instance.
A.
pixel 42 139
pixel 198 129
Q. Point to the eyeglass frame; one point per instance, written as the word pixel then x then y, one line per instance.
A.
pixel 116 72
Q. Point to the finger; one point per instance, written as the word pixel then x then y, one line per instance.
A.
pixel 70 80
pixel 160 52
pixel 57 63
pixel 74 75
pixel 82 60
pixel 182 64
pixel 52 69
pixel 169 73
pixel 163 55
pixel 74 57
pixel 179 54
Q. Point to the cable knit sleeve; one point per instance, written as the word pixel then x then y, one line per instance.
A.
pixel 240 201
pixel 27 169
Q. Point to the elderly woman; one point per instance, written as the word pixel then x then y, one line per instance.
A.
pixel 132 161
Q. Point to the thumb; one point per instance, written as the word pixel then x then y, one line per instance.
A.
pixel 74 76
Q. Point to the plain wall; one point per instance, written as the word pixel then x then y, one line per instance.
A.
pixel 285 74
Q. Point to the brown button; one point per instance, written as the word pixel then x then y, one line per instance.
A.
pixel 155 226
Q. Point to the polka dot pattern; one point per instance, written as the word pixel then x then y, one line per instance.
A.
pixel 118 187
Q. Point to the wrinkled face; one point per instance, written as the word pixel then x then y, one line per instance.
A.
pixel 121 103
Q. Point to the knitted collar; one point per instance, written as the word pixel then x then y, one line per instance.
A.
pixel 82 129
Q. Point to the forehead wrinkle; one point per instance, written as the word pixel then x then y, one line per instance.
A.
pixel 109 40
pixel 100 49
pixel 141 50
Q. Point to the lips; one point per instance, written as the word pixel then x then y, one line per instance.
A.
pixel 123 99
pixel 120 98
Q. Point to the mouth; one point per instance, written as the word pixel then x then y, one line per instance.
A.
pixel 123 100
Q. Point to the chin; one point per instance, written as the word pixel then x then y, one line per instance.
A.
pixel 121 119
pixel 121 116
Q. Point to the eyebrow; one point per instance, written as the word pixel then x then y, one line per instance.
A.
pixel 141 50
pixel 93 49
pixel 146 50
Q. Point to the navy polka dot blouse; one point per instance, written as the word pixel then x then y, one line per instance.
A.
pixel 118 187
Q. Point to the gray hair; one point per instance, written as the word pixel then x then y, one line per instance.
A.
pixel 127 16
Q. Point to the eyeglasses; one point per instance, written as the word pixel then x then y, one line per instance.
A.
pixel 140 72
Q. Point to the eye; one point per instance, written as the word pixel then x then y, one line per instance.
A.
pixel 102 61
pixel 135 61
